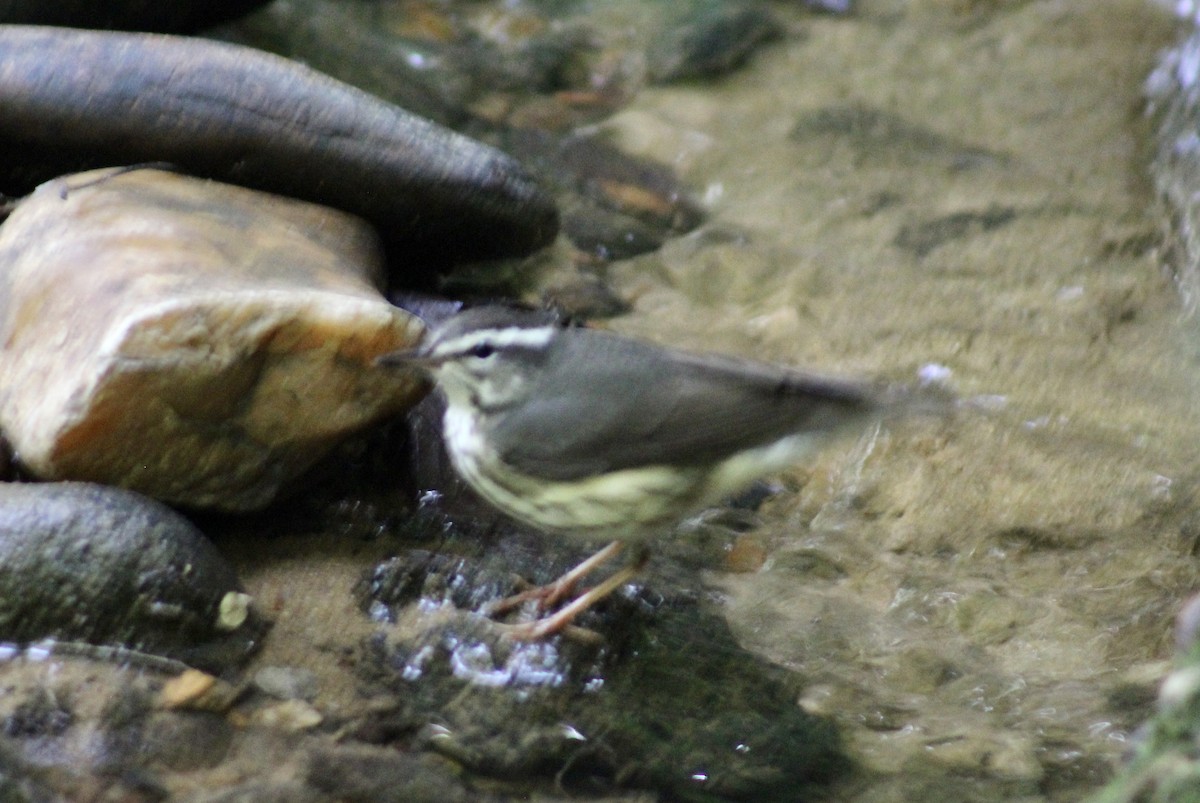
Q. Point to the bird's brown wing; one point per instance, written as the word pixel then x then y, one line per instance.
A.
pixel 611 403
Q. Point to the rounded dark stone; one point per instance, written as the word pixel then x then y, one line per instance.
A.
pixel 89 563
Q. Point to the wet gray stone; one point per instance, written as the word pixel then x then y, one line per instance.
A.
pixel 89 563
pixel 437 577
pixel 587 298
pixel 608 236
pixel 441 74
pixel 241 115
pixel 597 717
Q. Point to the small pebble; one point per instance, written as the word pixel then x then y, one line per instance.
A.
pixel 287 682
pixel 186 688
pixel 289 715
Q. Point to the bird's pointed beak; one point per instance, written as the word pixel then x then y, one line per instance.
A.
pixel 407 358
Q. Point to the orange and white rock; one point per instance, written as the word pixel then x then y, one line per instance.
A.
pixel 198 342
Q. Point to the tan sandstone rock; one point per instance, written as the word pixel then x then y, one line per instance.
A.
pixel 198 342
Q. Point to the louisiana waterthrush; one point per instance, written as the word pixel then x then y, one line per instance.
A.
pixel 585 433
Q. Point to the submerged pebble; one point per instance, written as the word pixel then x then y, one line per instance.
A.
pixel 711 42
pixel 105 566
pixel 614 206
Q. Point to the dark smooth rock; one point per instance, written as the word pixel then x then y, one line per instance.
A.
pixel 178 16
pixel 607 236
pixel 667 702
pixel 588 298
pixel 436 577
pixel 234 113
pixel 346 41
pixel 89 563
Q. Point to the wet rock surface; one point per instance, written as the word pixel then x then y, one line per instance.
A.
pixel 241 115
pixel 220 340
pixel 588 710
pixel 102 566
pixel 591 717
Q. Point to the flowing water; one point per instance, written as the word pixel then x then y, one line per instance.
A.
pixel 959 189
pixel 984 603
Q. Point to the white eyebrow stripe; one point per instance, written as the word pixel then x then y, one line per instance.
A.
pixel 500 338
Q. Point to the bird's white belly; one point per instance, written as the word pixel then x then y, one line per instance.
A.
pixel 631 503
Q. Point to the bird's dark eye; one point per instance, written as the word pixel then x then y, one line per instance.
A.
pixel 482 351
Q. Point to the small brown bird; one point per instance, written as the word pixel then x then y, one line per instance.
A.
pixel 587 434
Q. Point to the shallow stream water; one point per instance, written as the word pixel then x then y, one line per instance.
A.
pixel 960 185
pixel 983 603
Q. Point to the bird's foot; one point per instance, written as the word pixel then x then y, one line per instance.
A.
pixel 561 621
pixel 552 593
